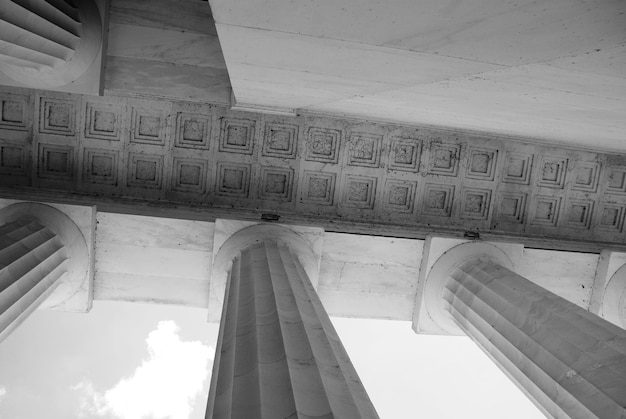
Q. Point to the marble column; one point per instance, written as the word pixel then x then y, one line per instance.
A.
pixel 39 245
pixel 48 43
pixel 278 355
pixel 571 362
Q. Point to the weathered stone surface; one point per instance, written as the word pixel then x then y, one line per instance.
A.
pixel 322 169
pixel 40 249
pixel 569 361
pixel 166 48
pixel 163 261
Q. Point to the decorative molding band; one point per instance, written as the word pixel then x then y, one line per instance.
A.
pixel 318 168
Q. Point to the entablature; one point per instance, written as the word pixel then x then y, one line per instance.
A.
pixel 339 174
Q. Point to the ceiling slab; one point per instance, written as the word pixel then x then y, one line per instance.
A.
pixel 511 33
pixel 551 71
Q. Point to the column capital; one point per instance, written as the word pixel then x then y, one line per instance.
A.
pixel 233 236
pixel 41 248
pixel 441 256
pixel 56 45
pixel 77 278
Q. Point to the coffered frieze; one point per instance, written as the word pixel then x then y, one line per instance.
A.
pixel 313 167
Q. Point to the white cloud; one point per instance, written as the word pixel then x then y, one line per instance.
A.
pixel 164 386
pixel 3 392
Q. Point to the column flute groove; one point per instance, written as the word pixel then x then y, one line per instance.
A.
pixel 326 346
pixel 36 32
pixel 246 372
pixel 45 43
pixel 221 390
pixel 570 361
pixel 276 382
pixel 32 259
pixel 300 367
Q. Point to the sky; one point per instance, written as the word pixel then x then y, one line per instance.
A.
pixel 143 361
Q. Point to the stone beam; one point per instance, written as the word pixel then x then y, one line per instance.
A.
pixel 165 48
pixel 319 170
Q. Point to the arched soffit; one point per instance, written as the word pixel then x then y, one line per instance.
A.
pixel 441 271
pixel 614 300
pixel 73 241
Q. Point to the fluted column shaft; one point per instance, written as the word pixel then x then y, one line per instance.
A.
pixel 38 33
pixel 32 259
pixel 569 361
pixel 278 355
pixel 48 43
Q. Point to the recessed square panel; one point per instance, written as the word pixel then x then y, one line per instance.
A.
pixel 280 140
pixel 405 154
pixel 579 213
pixel 444 159
pixel 276 183
pixel 616 180
pixel 359 191
pixel 512 207
pixel 475 203
pixel 364 149
pixel 399 195
pixel 481 163
pixel 546 211
pixel 586 176
pixel 233 179
pixel 189 175
pixel 57 116
pixel 103 121
pixel 145 171
pixel 323 145
pixel 100 166
pixel 12 159
pixel 517 168
pixel 612 216
pixel 237 136
pixel 318 188
pixel 56 162
pixel 438 200
pixel 192 131
pixel 148 126
pixel 552 172
pixel 13 112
